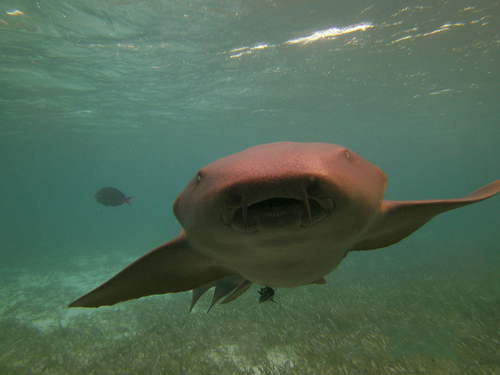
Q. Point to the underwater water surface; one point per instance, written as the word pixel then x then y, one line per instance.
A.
pixel 140 95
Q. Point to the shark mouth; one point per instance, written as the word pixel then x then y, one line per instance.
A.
pixel 278 213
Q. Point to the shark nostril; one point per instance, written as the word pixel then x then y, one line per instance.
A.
pixel 235 199
pixel 313 188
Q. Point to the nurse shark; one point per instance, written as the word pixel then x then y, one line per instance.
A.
pixel 280 215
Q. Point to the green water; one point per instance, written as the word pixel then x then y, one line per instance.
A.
pixel 139 95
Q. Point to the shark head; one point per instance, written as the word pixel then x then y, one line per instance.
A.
pixel 283 189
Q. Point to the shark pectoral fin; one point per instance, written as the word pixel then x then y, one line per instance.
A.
pixel 399 219
pixel 172 267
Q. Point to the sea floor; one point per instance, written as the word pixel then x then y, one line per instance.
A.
pixel 380 313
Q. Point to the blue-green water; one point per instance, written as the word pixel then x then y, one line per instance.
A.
pixel 139 95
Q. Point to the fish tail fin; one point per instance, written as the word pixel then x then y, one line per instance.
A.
pixel 128 200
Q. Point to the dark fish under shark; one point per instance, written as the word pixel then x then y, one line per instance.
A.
pixel 109 196
pixel 280 215
pixel 266 294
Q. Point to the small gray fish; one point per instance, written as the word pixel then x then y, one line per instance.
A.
pixel 109 196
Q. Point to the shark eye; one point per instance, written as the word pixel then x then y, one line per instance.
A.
pixel 347 155
pixel 198 177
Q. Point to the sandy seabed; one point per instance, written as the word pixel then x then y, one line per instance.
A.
pixel 376 315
